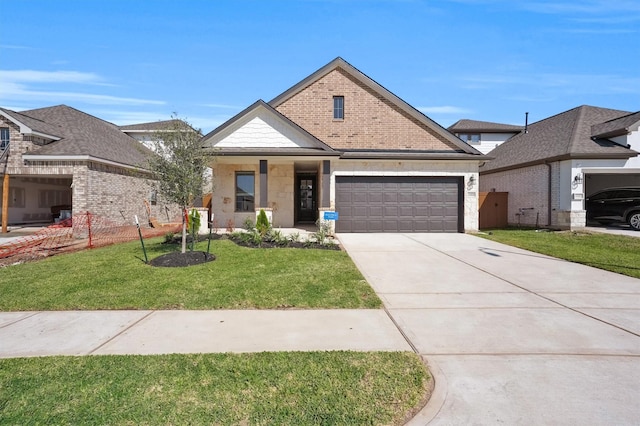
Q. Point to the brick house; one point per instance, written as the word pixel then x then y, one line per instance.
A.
pixel 59 158
pixel 551 168
pixel 338 141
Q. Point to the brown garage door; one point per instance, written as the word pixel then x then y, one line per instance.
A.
pixel 399 204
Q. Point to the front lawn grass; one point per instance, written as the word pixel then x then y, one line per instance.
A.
pixel 115 277
pixel 615 253
pixel 295 388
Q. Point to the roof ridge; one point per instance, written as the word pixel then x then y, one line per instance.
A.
pixel 573 140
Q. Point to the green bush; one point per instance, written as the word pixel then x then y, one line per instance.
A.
pixel 262 223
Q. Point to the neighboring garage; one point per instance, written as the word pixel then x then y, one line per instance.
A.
pixel 595 182
pixel 399 204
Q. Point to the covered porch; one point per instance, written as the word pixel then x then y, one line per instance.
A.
pixel 293 191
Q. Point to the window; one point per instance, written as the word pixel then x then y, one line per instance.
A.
pixel 245 192
pixel 338 107
pixel 16 197
pixel 4 138
pixel 470 138
pixel 53 197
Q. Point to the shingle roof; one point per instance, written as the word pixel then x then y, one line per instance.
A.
pixel 85 135
pixel 563 136
pixel 151 126
pixel 466 125
pixel 616 127
pixel 33 124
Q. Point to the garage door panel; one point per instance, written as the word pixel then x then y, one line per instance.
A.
pixel 390 197
pixel 390 211
pixel 407 211
pixel 398 204
pixel 405 197
pixel 375 197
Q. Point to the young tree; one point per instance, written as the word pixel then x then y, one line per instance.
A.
pixel 179 166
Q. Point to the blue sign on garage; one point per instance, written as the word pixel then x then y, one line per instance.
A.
pixel 330 215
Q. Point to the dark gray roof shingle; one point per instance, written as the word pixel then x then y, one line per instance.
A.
pixel 34 124
pixel 616 127
pixel 566 135
pixel 466 125
pixel 151 126
pixel 85 135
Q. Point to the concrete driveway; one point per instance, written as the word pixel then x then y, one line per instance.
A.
pixel 512 337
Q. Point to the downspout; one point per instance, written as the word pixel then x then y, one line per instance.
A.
pixel 549 209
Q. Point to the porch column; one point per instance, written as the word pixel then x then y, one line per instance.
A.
pixel 5 203
pixel 326 184
pixel 263 184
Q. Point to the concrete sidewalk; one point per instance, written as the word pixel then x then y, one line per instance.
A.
pixel 27 334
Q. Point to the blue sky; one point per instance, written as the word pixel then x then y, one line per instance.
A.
pixel 135 61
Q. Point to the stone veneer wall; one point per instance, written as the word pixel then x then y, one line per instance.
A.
pixel 281 180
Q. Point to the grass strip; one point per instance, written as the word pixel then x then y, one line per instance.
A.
pixel 115 277
pixel 294 388
pixel 615 253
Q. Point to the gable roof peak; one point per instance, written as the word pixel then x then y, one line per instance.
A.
pixel 381 91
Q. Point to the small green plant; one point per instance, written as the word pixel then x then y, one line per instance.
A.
pixel 194 226
pixel 248 225
pixel 323 232
pixel 275 236
pixel 262 223
pixel 295 237
pixel 168 237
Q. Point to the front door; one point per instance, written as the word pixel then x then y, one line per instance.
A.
pixel 306 195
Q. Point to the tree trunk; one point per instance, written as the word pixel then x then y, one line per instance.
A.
pixel 184 230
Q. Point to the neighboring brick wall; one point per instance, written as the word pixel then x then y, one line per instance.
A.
pixel 370 121
pixel 117 194
pixel 528 190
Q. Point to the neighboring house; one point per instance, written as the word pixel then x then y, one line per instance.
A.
pixel 338 141
pixel 147 133
pixel 150 133
pixel 551 168
pixel 59 158
pixel 483 135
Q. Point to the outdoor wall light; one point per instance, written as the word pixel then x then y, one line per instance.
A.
pixel 472 182
pixel 577 179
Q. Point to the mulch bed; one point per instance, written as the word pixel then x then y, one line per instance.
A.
pixel 178 259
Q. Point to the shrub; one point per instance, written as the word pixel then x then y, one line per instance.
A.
pixel 323 232
pixel 248 225
pixel 262 223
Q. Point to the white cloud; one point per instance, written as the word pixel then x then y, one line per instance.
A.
pixel 25 85
pixel 443 110
pixel 569 83
pixel 32 76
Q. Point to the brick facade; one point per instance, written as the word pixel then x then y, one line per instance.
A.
pixel 370 121
pixel 117 193
pixel 528 190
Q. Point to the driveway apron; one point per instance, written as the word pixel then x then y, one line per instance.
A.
pixel 511 336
